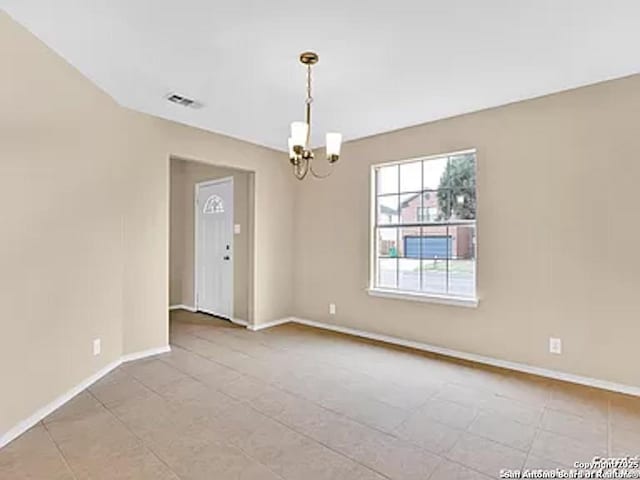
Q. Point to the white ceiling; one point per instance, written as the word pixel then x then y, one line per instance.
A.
pixel 383 64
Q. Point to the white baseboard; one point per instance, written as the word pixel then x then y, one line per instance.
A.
pixel 43 412
pixel 188 308
pixel 130 357
pixel 182 307
pixel 519 367
pixel 274 323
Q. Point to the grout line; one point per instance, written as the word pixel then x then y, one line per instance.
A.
pixel 64 458
pixel 538 429
pixel 278 387
pixel 441 456
pixel 320 442
pixel 328 363
pixel 290 427
pixel 278 348
pixel 189 375
pixel 533 441
pixel 340 414
pixel 132 432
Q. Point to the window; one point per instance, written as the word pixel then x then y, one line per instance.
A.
pixel 425 227
pixel 427 214
pixel 214 204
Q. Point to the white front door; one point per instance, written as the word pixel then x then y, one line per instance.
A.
pixel 214 247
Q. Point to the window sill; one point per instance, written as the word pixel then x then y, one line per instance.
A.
pixel 424 297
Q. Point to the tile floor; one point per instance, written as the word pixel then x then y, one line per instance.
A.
pixel 293 402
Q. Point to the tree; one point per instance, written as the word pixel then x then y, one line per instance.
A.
pixel 456 192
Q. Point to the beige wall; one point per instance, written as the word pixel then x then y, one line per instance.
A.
pixel 84 219
pixel 84 224
pixel 184 177
pixel 61 226
pixel 557 176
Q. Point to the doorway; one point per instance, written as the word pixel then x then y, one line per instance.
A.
pixel 200 278
pixel 214 247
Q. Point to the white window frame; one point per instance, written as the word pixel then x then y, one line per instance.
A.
pixel 446 298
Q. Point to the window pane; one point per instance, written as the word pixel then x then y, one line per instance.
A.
pixel 462 242
pixel 409 274
pixel 386 257
pixel 409 243
pixel 461 171
pixel 387 209
pixel 463 204
pixel 387 273
pixel 410 208
pixel 433 243
pixel 462 277
pixel 387 242
pixel 432 173
pixel 410 174
pixel 387 179
pixel 434 276
pixel 436 206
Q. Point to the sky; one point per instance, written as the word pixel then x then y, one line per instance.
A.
pixel 412 175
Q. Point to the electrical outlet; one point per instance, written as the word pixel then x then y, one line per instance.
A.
pixel 97 347
pixel 332 309
pixel 555 346
pixel 236 229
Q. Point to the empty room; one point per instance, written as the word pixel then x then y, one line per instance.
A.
pixel 319 241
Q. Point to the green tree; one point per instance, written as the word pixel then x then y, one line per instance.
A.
pixel 456 192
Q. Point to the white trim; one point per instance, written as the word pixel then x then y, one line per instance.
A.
pixel 196 222
pixel 424 297
pixel 431 156
pixel 130 357
pixel 239 321
pixel 50 407
pixel 274 323
pixel 519 367
pixel 188 308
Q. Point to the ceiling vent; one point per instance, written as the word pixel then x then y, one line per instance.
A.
pixel 184 101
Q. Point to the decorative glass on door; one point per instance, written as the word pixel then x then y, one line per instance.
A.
pixel 214 204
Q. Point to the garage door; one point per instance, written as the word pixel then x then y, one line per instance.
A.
pixel 431 247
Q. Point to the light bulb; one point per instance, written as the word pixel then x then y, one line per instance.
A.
pixel 292 154
pixel 334 142
pixel 299 132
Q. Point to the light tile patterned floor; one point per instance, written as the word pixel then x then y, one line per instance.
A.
pixel 298 403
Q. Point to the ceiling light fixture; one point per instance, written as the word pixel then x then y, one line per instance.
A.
pixel 300 153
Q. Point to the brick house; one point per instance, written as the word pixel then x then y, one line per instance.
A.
pixel 435 242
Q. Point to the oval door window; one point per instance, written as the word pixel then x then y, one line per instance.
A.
pixel 214 204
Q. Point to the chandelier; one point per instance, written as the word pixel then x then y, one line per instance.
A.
pixel 300 153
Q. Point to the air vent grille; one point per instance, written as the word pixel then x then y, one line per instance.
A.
pixel 182 100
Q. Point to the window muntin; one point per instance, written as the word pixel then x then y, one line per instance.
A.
pixel 425 226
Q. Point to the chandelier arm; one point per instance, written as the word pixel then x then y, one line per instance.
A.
pixel 301 172
pixel 319 175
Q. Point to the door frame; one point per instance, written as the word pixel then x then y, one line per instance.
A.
pixel 196 231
